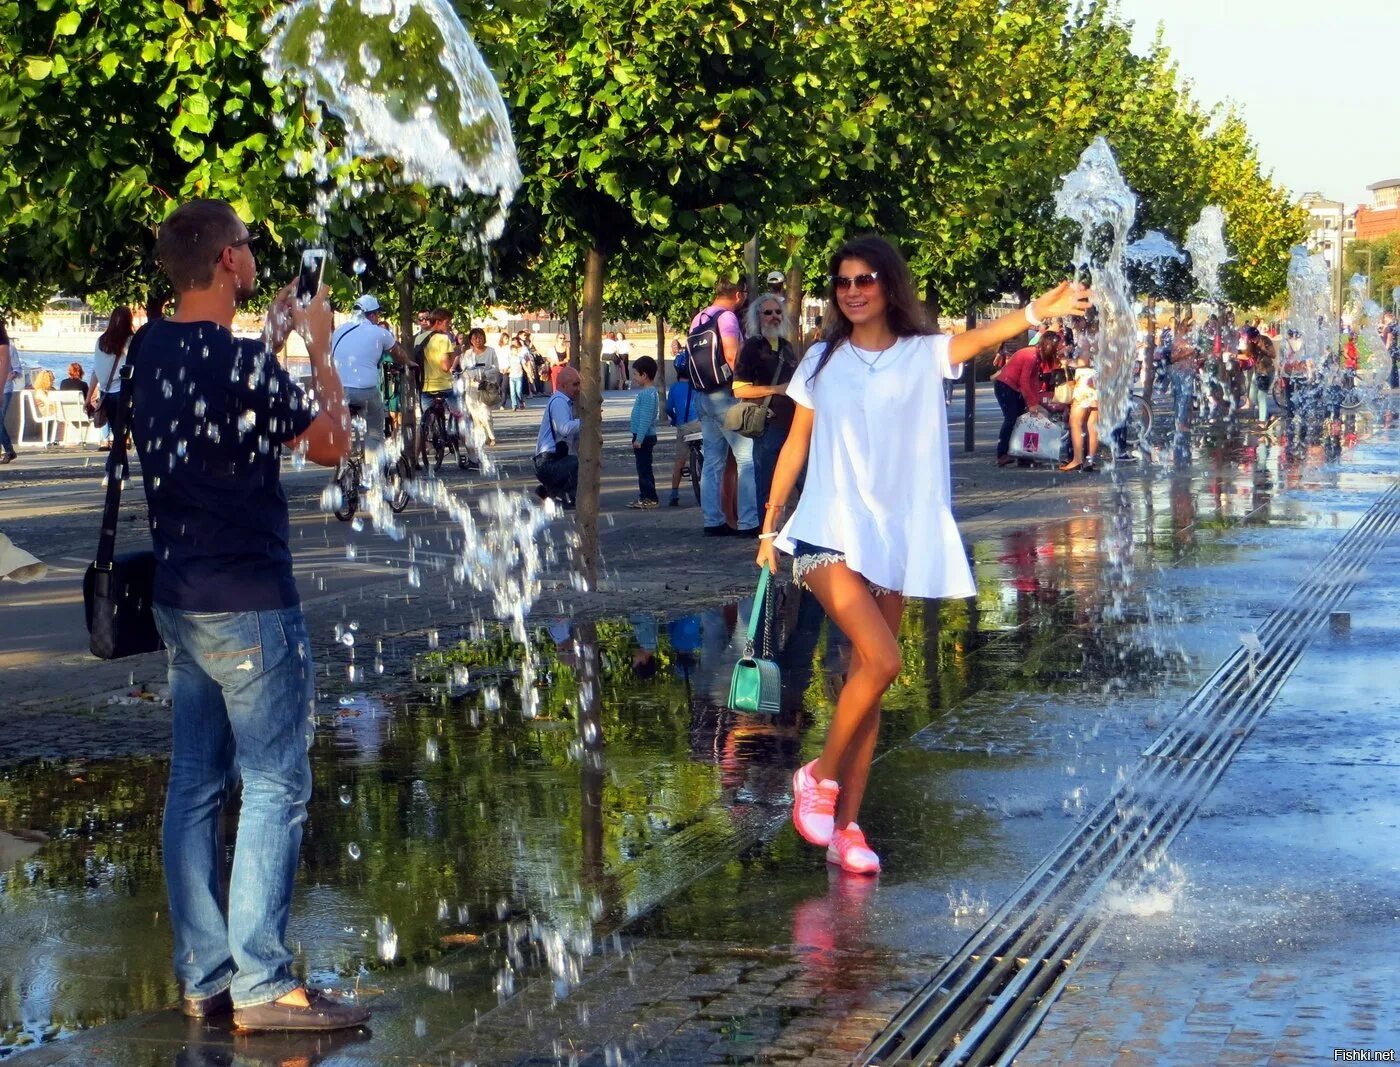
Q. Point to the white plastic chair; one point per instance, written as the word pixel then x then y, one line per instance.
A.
pixel 77 423
pixel 30 412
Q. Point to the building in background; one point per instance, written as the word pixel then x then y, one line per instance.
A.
pixel 1383 214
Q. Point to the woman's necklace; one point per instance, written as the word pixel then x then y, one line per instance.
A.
pixel 870 364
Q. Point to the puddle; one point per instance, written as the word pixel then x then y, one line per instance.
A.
pixel 456 848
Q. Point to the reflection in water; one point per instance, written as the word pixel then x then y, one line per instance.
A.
pixel 215 1046
pixel 498 848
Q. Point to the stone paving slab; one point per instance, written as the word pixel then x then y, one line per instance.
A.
pixel 1279 941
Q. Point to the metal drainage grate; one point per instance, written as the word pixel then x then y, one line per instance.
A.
pixel 985 1003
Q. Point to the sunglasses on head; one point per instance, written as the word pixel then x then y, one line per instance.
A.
pixel 842 282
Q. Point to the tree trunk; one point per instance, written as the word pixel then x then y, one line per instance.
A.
pixel 751 265
pixel 970 401
pixel 575 330
pixel 931 302
pixel 157 296
pixel 408 384
pixel 661 356
pixel 592 778
pixel 590 411
pixel 796 320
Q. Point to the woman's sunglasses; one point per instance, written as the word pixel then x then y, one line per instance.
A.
pixel 842 282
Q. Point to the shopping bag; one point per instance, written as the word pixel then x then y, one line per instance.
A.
pixel 1035 438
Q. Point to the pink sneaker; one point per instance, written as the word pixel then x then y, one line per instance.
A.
pixel 848 848
pixel 813 806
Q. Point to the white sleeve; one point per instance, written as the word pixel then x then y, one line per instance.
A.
pixel 941 343
pixel 799 390
pixel 387 340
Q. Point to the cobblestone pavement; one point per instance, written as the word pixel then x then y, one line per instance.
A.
pixel 1275 937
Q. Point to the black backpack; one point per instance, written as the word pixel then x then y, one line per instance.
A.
pixel 708 370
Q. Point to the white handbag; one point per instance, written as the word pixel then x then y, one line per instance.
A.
pixel 1035 438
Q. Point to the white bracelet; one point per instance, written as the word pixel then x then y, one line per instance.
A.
pixel 1031 317
pixel 769 536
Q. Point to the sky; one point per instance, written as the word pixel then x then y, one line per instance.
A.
pixel 1316 80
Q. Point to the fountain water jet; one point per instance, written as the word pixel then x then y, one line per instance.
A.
pixel 409 86
pixel 1094 195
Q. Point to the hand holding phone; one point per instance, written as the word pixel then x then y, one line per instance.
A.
pixel 313 266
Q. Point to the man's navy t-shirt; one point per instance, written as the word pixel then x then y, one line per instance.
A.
pixel 210 415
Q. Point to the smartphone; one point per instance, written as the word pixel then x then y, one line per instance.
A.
pixel 313 265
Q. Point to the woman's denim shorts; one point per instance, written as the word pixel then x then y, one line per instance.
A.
pixel 808 557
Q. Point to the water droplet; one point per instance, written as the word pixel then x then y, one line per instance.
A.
pixel 415 579
pixel 347 639
pixel 388 938
pixel 353 850
pixel 359 266
pixel 357 524
pixel 345 799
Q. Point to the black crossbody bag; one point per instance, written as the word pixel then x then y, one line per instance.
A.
pixel 118 590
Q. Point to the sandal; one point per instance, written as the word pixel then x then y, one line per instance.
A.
pixel 1071 466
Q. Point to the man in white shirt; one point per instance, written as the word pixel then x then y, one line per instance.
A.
pixel 357 349
pixel 556 447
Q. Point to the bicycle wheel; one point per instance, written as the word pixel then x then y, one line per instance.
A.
pixel 1351 399
pixel 1139 422
pixel 347 477
pixel 399 479
pixel 697 460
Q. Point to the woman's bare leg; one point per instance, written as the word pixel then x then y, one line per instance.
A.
pixel 1093 421
pixel 853 773
pixel 875 664
pixel 1076 433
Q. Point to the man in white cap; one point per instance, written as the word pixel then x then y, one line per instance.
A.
pixel 357 349
pixel 777 282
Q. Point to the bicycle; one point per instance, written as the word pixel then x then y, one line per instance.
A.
pixel 437 434
pixel 349 473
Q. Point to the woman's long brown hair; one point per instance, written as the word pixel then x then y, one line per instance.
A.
pixel 904 312
pixel 118 332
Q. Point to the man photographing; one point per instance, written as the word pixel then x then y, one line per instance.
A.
pixel 211 415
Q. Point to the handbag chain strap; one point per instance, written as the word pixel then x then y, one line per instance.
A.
pixel 757 616
pixel 116 463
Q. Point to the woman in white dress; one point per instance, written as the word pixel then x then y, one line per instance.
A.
pixel 875 522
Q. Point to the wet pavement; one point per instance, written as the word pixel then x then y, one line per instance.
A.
pixel 618 881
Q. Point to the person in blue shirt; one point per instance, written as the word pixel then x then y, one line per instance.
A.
pixel 645 409
pixel 684 414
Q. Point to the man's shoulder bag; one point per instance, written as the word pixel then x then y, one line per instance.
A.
pixel 708 369
pixel 118 590
pixel 749 419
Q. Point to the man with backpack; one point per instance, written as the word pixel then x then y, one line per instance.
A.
pixel 713 349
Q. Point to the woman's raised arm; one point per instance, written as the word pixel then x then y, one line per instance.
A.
pixel 1062 301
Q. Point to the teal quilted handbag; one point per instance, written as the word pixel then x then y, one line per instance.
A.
pixel 757 684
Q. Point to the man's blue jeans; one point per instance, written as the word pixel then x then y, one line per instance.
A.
pixel 719 442
pixel 241 687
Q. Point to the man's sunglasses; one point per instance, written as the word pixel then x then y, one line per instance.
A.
pixel 777 313
pixel 248 239
pixel 842 282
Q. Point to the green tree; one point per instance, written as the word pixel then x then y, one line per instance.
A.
pixel 112 112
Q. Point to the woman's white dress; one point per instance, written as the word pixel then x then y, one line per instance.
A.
pixel 878 484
